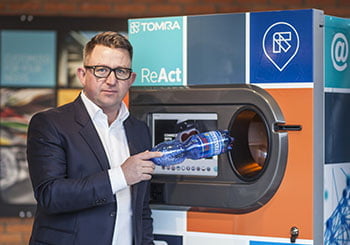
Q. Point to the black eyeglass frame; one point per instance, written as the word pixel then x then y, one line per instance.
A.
pixel 110 70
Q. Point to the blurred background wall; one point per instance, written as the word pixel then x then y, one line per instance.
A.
pixel 152 8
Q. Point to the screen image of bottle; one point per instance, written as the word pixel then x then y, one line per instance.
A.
pixel 198 146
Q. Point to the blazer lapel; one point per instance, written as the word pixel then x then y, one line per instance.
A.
pixel 132 138
pixel 89 133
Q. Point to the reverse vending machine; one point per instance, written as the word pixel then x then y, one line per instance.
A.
pixel 242 180
pixel 279 82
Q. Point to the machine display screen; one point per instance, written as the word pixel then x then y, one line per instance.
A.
pixel 170 126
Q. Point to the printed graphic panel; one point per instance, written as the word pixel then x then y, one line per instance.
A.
pixel 70 57
pixel 337 204
pixel 337 61
pixel 65 96
pixel 216 49
pixel 28 58
pixel 158 51
pixel 15 184
pixel 281 46
pixel 17 107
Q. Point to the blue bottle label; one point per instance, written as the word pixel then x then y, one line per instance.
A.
pixel 205 145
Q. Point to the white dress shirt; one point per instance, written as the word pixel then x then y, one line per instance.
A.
pixel 114 141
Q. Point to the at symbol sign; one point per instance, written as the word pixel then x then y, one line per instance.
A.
pixel 339 51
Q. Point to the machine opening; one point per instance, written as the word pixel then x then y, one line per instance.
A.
pixel 250 152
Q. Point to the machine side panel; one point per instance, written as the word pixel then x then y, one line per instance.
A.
pixel 292 203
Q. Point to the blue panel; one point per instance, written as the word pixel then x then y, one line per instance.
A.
pixel 169 239
pixel 337 129
pixel 216 49
pixel 28 58
pixel 272 243
pixel 281 45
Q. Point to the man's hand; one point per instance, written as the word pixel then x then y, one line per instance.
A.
pixel 138 167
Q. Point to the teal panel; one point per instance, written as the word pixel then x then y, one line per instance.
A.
pixel 337 67
pixel 28 58
pixel 158 51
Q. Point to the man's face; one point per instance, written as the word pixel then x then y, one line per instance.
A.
pixel 108 92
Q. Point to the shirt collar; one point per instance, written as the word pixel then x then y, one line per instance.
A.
pixel 94 110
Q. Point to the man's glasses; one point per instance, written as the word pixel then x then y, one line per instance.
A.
pixel 120 73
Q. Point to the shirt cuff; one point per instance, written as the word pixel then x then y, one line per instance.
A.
pixel 117 179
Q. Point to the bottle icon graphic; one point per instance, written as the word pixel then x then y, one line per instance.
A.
pixel 203 145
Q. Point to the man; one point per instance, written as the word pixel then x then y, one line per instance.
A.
pixel 88 160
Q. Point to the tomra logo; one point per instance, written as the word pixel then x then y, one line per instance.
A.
pixel 136 27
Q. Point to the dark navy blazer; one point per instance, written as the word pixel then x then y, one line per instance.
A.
pixel 68 168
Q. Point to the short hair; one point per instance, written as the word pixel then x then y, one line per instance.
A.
pixel 109 39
